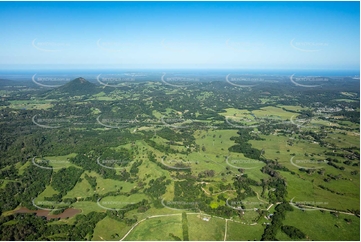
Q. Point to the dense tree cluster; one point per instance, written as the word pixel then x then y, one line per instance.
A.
pixel 293 232
pixel 65 179
pixel 279 215
pixel 156 188
pixel 91 180
pixel 243 146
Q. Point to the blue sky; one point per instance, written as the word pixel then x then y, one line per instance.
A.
pixel 224 35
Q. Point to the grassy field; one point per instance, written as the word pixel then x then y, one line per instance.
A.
pixel 323 226
pixel 205 230
pixel 274 111
pixel 238 231
pixel 109 229
pixel 306 190
pixel 293 108
pixel 80 190
pixel 83 188
pixel 302 186
pixel 58 162
pixel 87 207
pixel 48 192
pixel 157 229
pixel 234 112
pixel 107 185
pixel 31 104
pixel 276 148
pixel 69 221
pixel 342 140
pixel 148 170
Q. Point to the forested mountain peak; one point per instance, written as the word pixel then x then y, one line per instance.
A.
pixel 78 86
pixel 79 80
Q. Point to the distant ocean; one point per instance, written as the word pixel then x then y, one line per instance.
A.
pixel 22 75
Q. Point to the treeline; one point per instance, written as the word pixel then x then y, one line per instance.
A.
pixel 242 145
pixel 26 227
pixel 30 228
pixel 152 157
pixel 65 179
pixel 277 193
pixel 119 215
pixel 91 180
pixel 156 188
pixel 352 116
pixel 33 181
pixel 181 135
pixel 10 196
pixel 22 139
pixel 185 227
pixel 10 173
pixel 88 161
pixel 293 232
pixel 243 189
pixel 330 163
pixel 276 184
pixel 166 149
pixel 279 215
pixel 317 137
pixel 189 196
pixel 186 191
pixel 134 168
pixel 273 125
